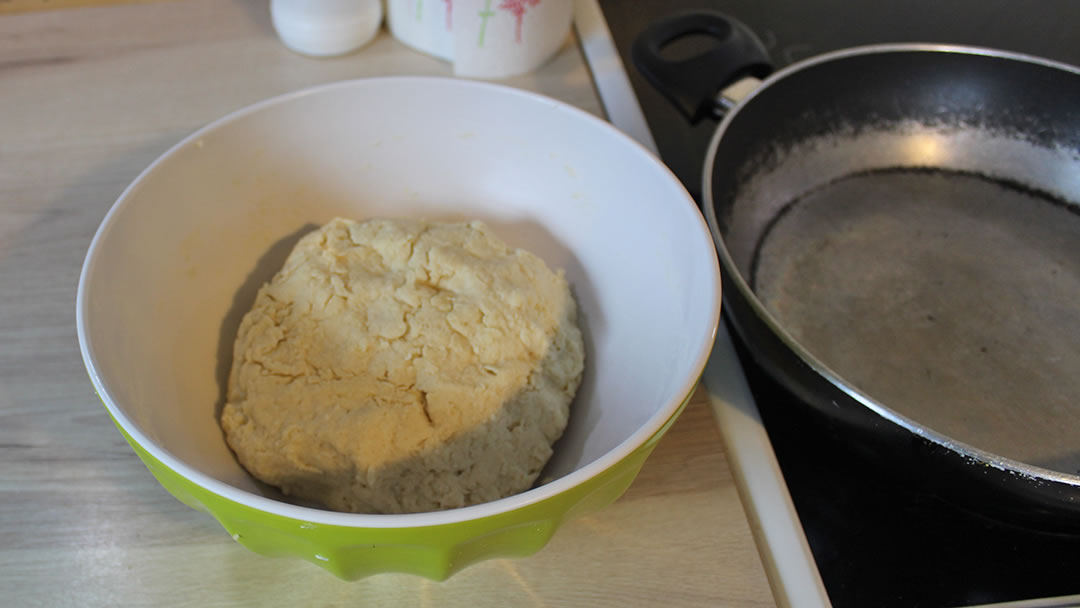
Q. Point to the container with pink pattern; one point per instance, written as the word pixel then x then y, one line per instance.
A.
pixel 483 38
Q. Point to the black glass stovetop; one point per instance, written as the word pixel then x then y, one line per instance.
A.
pixel 877 538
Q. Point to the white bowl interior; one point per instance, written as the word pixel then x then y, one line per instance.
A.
pixel 178 260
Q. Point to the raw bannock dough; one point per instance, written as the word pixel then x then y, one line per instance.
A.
pixel 398 366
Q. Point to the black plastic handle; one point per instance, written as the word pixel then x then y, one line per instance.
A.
pixel 692 84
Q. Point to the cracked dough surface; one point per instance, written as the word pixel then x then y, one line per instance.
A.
pixel 397 366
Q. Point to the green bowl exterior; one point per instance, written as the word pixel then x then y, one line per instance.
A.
pixel 434 552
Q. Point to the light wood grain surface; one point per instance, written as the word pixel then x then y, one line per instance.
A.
pixel 88 98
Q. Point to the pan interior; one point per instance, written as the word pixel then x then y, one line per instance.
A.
pixel 951 297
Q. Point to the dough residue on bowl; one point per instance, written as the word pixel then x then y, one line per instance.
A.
pixel 397 366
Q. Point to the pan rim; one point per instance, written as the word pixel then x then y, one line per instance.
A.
pixel 1033 472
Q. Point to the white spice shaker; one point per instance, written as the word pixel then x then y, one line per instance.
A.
pixel 324 28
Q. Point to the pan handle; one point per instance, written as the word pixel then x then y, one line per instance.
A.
pixel 692 84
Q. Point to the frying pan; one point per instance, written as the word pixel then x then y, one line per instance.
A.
pixel 900 238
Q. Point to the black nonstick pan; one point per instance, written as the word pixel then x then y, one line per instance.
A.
pixel 899 237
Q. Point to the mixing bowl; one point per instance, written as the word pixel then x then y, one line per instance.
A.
pixel 177 261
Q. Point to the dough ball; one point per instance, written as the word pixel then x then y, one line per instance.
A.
pixel 397 366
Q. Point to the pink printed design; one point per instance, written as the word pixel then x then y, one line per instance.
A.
pixel 518 8
pixel 449 12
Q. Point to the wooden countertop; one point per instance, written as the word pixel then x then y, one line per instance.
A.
pixel 88 98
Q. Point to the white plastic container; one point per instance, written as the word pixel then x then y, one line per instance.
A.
pixel 324 28
pixel 483 38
